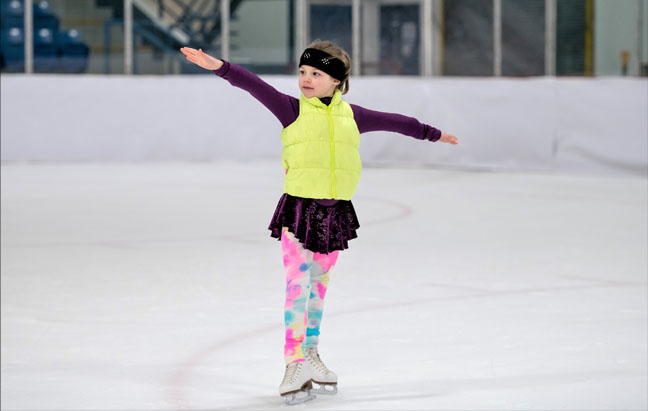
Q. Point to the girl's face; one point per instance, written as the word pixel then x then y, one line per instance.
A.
pixel 316 83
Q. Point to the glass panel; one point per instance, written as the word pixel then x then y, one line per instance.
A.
pixel 468 38
pixel 12 44
pixel 523 37
pixel 261 47
pixel 332 23
pixel 161 27
pixel 570 37
pixel 400 39
pixel 70 36
pixel 643 40
pixel 616 36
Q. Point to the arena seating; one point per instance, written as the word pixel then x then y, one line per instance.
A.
pixel 55 51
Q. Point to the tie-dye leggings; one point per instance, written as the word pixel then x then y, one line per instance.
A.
pixel 307 278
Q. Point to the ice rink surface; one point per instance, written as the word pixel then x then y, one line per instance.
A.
pixel 157 287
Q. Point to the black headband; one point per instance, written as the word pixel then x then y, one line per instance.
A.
pixel 330 65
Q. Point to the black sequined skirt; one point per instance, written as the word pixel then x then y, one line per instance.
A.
pixel 321 229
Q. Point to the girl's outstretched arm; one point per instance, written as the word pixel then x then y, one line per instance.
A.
pixel 372 120
pixel 283 106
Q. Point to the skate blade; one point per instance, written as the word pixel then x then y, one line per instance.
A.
pixel 326 389
pixel 299 397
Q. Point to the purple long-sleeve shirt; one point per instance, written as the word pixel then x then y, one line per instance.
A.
pixel 286 109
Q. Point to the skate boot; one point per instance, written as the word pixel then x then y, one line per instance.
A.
pixel 325 379
pixel 296 384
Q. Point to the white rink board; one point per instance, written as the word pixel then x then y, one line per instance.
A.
pixel 517 124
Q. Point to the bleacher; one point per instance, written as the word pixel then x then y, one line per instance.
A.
pixel 55 50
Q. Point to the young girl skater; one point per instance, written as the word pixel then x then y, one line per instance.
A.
pixel 314 219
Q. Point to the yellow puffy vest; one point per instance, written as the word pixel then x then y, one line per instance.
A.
pixel 320 150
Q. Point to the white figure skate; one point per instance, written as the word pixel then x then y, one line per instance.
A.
pixel 296 384
pixel 325 379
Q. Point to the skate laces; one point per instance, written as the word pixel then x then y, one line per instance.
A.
pixel 314 358
pixel 291 372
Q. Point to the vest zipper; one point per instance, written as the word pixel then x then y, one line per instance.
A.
pixel 332 142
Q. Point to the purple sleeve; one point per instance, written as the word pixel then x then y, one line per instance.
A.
pixel 283 106
pixel 371 120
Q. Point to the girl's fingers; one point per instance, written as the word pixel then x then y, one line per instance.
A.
pixel 189 51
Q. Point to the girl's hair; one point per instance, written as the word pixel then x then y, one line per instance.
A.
pixel 339 53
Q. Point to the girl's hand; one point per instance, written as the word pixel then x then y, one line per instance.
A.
pixel 201 58
pixel 448 138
